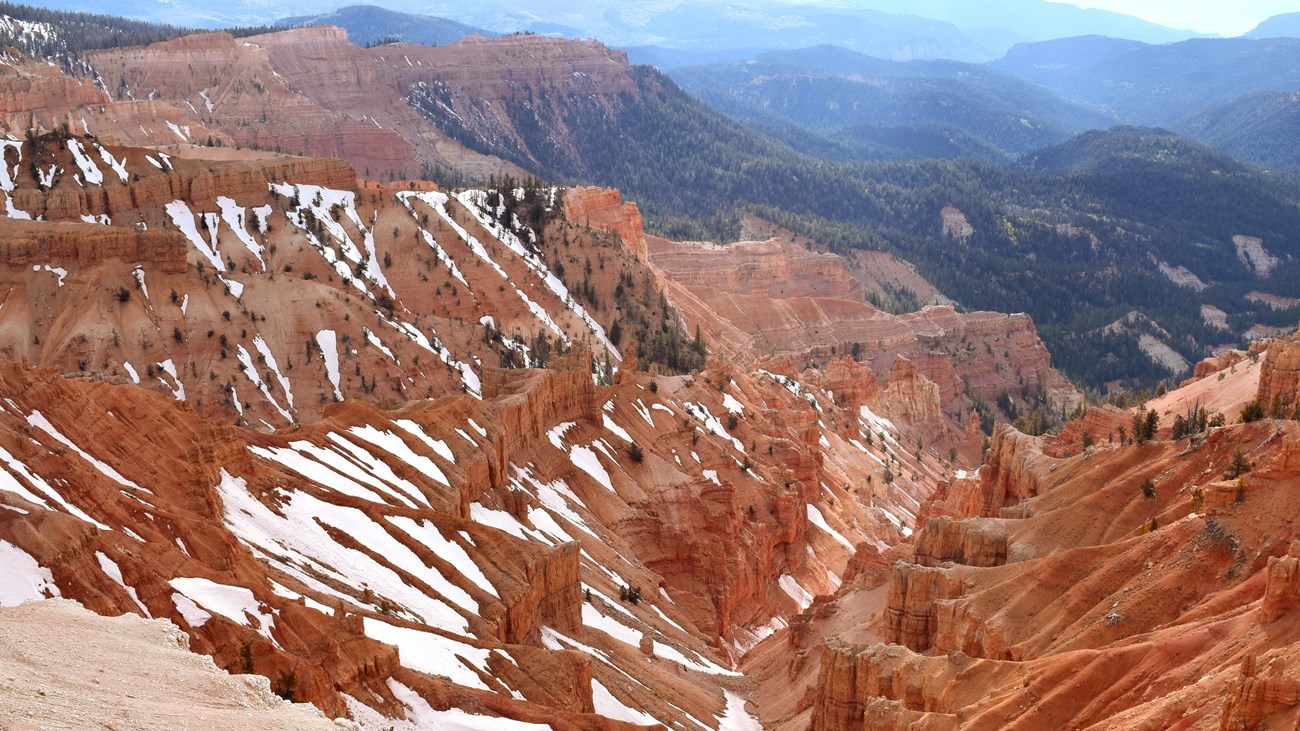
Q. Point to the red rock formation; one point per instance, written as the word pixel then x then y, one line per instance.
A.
pixel 773 269
pixel 1282 590
pixel 853 383
pixel 306 91
pixel 914 399
pixel 85 245
pixel 38 96
pixel 1279 377
pixel 1100 423
pixel 911 615
pixel 774 299
pixel 553 598
pixel 1259 693
pixel 1007 478
pixel 965 542
pixel 1098 606
pixel 854 680
pixel 1210 366
pixel 603 209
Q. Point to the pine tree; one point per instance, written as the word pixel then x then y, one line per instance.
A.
pixel 1238 466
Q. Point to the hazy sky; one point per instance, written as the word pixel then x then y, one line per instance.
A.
pixel 1225 17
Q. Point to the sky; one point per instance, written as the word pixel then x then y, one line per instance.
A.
pixel 1224 17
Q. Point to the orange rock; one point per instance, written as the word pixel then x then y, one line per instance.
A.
pixel 603 209
pixel 1279 377
pixel 1282 591
pixel 911 617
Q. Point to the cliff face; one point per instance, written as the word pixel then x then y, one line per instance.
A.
pixel 966 542
pixel 776 299
pixel 774 269
pixel 603 209
pixel 471 65
pixel 233 86
pixel 159 272
pixel 307 91
pixel 879 687
pixel 87 245
pixel 281 424
pixel 1264 690
pixel 1279 379
pixel 1282 588
pixel 1007 477
pixel 501 529
pixel 911 616
pixel 35 95
pixel 172 513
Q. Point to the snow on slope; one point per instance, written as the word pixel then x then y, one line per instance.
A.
pixel 22 578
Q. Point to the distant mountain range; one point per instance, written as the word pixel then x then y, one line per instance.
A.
pixel 1156 85
pixel 885 28
pixel 1286 25
pixel 870 105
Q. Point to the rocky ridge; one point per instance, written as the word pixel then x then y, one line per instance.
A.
pixel 307 91
pixel 1164 605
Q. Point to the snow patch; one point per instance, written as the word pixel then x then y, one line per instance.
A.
pixel 329 348
pixel 797 593
pixel 22 579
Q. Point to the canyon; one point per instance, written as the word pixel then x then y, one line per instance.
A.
pixel 419 455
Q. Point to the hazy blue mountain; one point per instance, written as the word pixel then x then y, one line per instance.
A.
pixel 1156 85
pixel 890 109
pixel 1036 19
pixel 1286 25
pixel 892 29
pixel 665 59
pixel 368 24
pixel 885 35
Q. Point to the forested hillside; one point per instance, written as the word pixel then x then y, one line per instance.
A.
pixel 367 25
pixel 47 33
pixel 1261 128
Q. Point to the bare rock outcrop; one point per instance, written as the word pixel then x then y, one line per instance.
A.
pixel 855 682
pixel 603 209
pixel 911 616
pixel 1007 477
pixel 553 598
pixel 1282 590
pixel 966 542
pixel 912 396
pixel 955 224
pixel 1214 364
pixel 81 245
pixel 1263 688
pixel 1279 376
